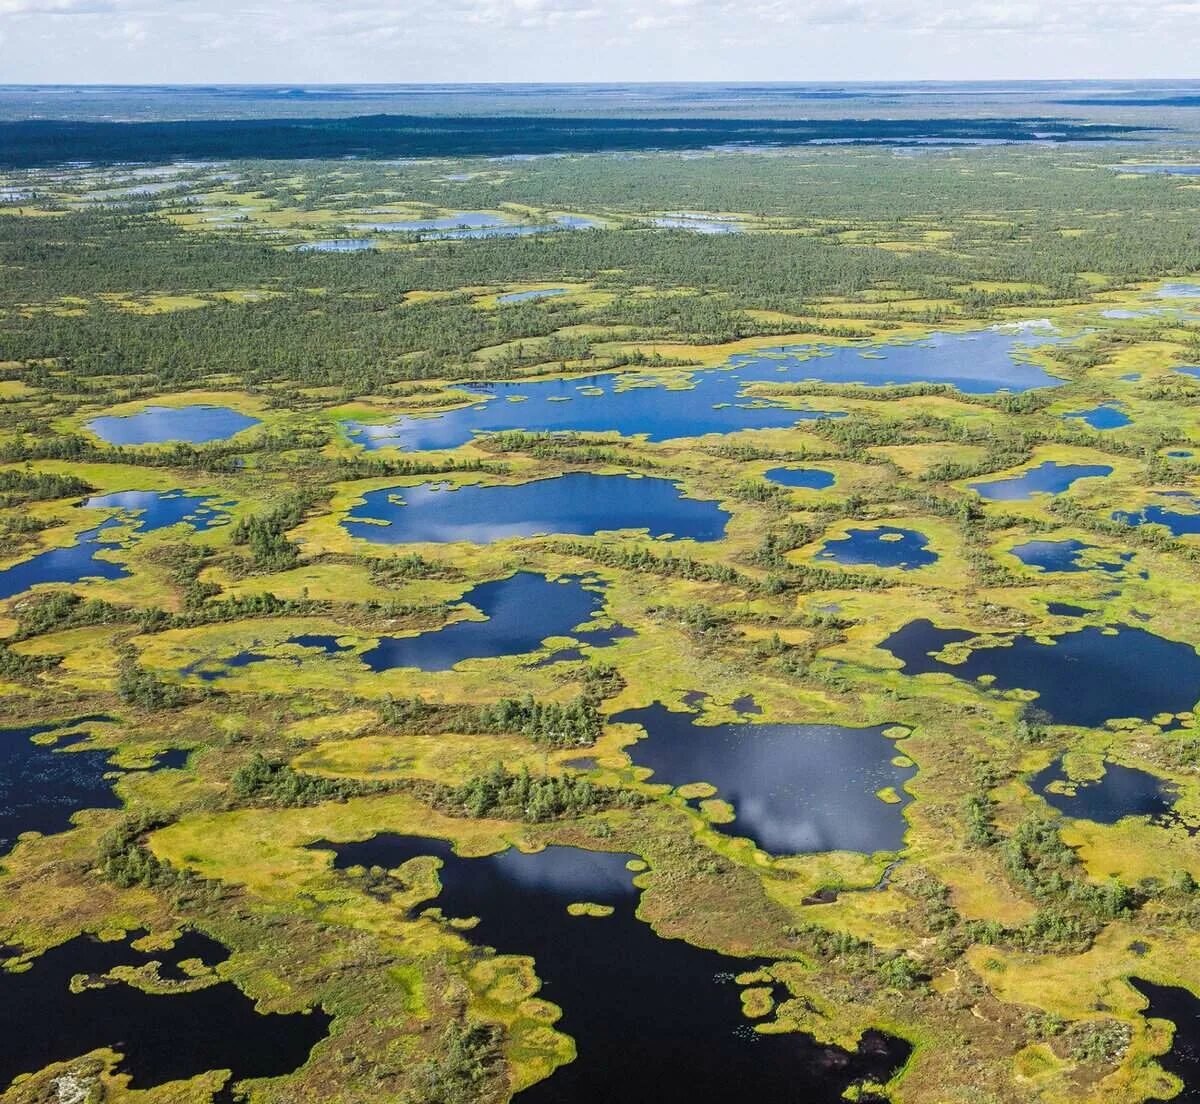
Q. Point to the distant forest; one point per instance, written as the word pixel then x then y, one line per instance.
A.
pixel 38 142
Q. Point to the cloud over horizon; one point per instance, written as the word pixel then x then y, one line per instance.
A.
pixel 131 41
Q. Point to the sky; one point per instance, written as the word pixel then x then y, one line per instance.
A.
pixel 333 41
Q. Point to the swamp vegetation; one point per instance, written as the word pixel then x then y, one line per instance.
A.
pixel 825 690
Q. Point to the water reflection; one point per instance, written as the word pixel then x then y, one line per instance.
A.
pixel 1083 678
pixel 161 1038
pixel 794 788
pixel 577 503
pixel 655 1021
pixel 1049 477
pixel 154 425
pixel 885 546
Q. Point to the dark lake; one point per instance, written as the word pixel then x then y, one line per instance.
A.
pixel 656 1021
pixel 1066 555
pixel 634 404
pixel 521 612
pixel 795 788
pixel 886 546
pixel 1121 792
pixel 576 503
pixel 1085 678
pixel 162 1037
pixel 43 785
pixel 1065 609
pixel 1049 477
pixel 159 424
pixel 812 479
pixel 1182 1008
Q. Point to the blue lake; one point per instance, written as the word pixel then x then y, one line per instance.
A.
pixel 338 245
pixel 577 503
pixel 655 1021
pixel 1179 291
pixel 1104 416
pixel 1180 454
pixel 142 511
pixel 714 404
pixel 716 401
pixel 521 612
pixel 1160 170
pixel 1066 555
pixel 1182 523
pixel 1120 792
pixel 1049 477
pixel 812 479
pixel 467 226
pixel 160 424
pixel 1189 370
pixel 976 362
pixel 530 296
pixel 1084 678
pixel 66 565
pixel 795 788
pixel 886 546
pixel 148 511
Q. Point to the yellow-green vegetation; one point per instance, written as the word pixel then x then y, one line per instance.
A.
pixel 1002 933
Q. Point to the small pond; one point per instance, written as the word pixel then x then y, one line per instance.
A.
pixel 576 503
pixel 1066 609
pixel 795 788
pixel 1084 678
pixel 530 296
pixel 155 425
pixel 655 1021
pixel 1049 477
pixel 1120 792
pixel 698 222
pixel 468 225
pixel 810 479
pixel 338 245
pixel 1068 555
pixel 885 546
pixel 1182 523
pixel 1105 416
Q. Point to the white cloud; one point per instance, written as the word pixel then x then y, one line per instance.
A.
pixel 406 40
